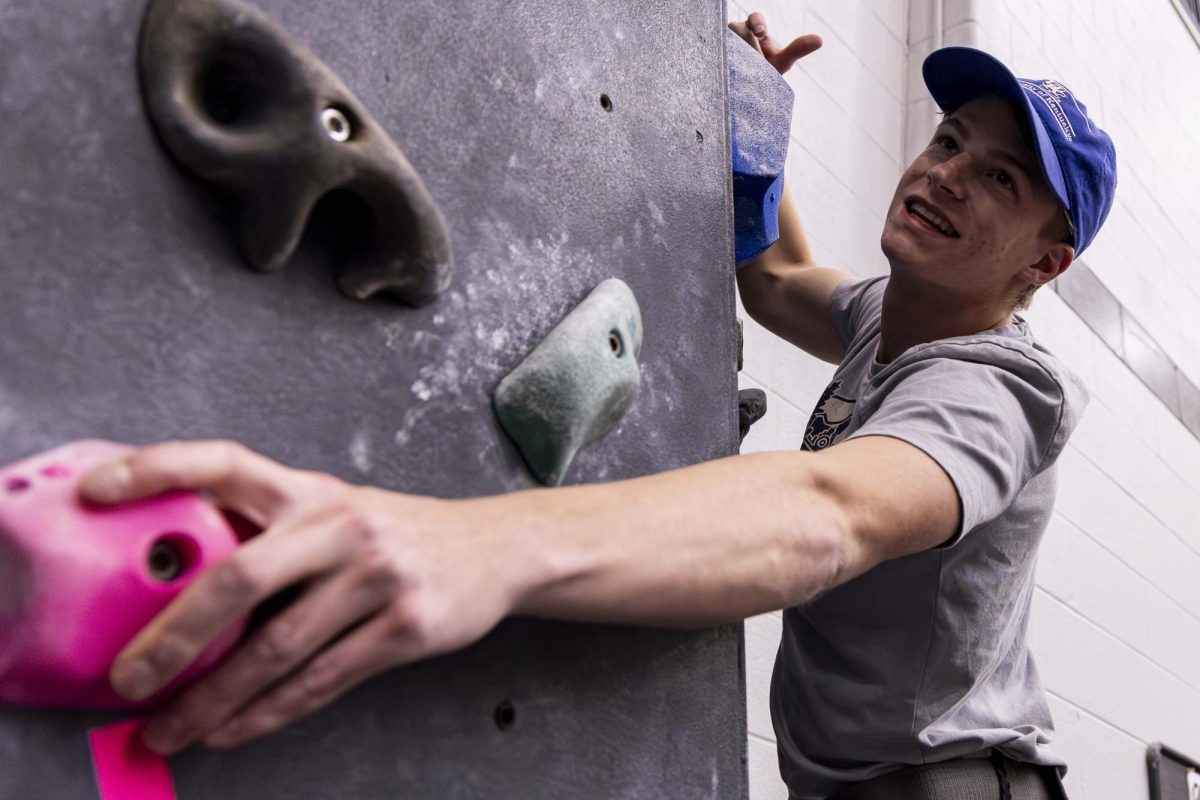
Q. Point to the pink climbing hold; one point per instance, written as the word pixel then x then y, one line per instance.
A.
pixel 125 768
pixel 78 581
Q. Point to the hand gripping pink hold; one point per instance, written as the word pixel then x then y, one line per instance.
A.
pixel 78 581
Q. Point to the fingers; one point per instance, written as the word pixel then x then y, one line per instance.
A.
pixel 754 31
pixel 757 24
pixel 319 616
pixel 372 648
pixel 798 49
pixel 222 595
pixel 743 30
pixel 237 477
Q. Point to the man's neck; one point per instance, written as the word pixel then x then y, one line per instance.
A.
pixel 913 315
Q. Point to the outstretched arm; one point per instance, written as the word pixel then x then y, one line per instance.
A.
pixel 391 578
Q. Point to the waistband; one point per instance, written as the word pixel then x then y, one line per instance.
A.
pixel 994 778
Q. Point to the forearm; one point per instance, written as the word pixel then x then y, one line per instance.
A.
pixel 692 547
pixel 790 250
pixel 792 243
pixel 784 291
pixel 763 282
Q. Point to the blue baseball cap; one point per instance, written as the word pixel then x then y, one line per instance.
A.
pixel 1078 159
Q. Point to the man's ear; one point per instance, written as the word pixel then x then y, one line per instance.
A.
pixel 1054 262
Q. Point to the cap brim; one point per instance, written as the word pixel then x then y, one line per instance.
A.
pixel 955 75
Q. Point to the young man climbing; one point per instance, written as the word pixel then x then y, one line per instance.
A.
pixel 901 539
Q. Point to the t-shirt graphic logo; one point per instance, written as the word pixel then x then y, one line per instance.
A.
pixel 829 419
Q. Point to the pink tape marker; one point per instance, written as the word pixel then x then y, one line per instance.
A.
pixel 125 768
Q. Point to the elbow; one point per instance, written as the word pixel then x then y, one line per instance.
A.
pixel 837 553
pixel 846 550
pixel 757 285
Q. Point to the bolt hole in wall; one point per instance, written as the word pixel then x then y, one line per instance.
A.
pixel 606 102
pixel 505 715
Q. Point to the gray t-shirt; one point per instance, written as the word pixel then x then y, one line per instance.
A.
pixel 925 657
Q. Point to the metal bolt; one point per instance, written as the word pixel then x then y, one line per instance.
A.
pixel 336 124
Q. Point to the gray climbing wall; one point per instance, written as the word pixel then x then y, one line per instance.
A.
pixel 127 313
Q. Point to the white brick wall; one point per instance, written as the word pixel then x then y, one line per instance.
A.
pixel 1117 615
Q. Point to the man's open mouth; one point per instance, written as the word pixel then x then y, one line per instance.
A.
pixel 928 215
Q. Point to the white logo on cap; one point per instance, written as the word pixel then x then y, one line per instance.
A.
pixel 1052 93
pixel 1055 88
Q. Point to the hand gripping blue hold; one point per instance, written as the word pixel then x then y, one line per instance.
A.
pixel 760 122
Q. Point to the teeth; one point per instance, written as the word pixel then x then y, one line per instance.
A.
pixel 932 218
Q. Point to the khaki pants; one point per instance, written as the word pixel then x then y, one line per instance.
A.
pixel 961 779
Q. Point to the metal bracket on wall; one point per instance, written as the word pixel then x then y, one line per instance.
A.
pixel 241 105
pixel 1173 776
pixel 577 383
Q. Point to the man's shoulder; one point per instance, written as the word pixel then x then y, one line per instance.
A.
pixel 1008 359
pixel 1012 348
pixel 856 306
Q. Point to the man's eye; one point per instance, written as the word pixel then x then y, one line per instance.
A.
pixel 1004 179
pixel 946 142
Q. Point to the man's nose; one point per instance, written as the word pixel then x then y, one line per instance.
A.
pixel 949 176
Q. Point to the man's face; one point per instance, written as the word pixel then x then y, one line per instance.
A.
pixel 973 211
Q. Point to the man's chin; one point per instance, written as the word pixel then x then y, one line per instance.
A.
pixel 905 258
pixel 896 247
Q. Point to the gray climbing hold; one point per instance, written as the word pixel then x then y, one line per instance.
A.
pixel 752 406
pixel 577 383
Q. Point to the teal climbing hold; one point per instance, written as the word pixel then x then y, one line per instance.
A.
pixel 577 383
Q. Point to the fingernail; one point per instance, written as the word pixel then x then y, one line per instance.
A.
pixel 107 484
pixel 133 680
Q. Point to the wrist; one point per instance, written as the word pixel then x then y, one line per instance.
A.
pixel 534 550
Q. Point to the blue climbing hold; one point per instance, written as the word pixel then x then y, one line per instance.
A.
pixel 760 121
